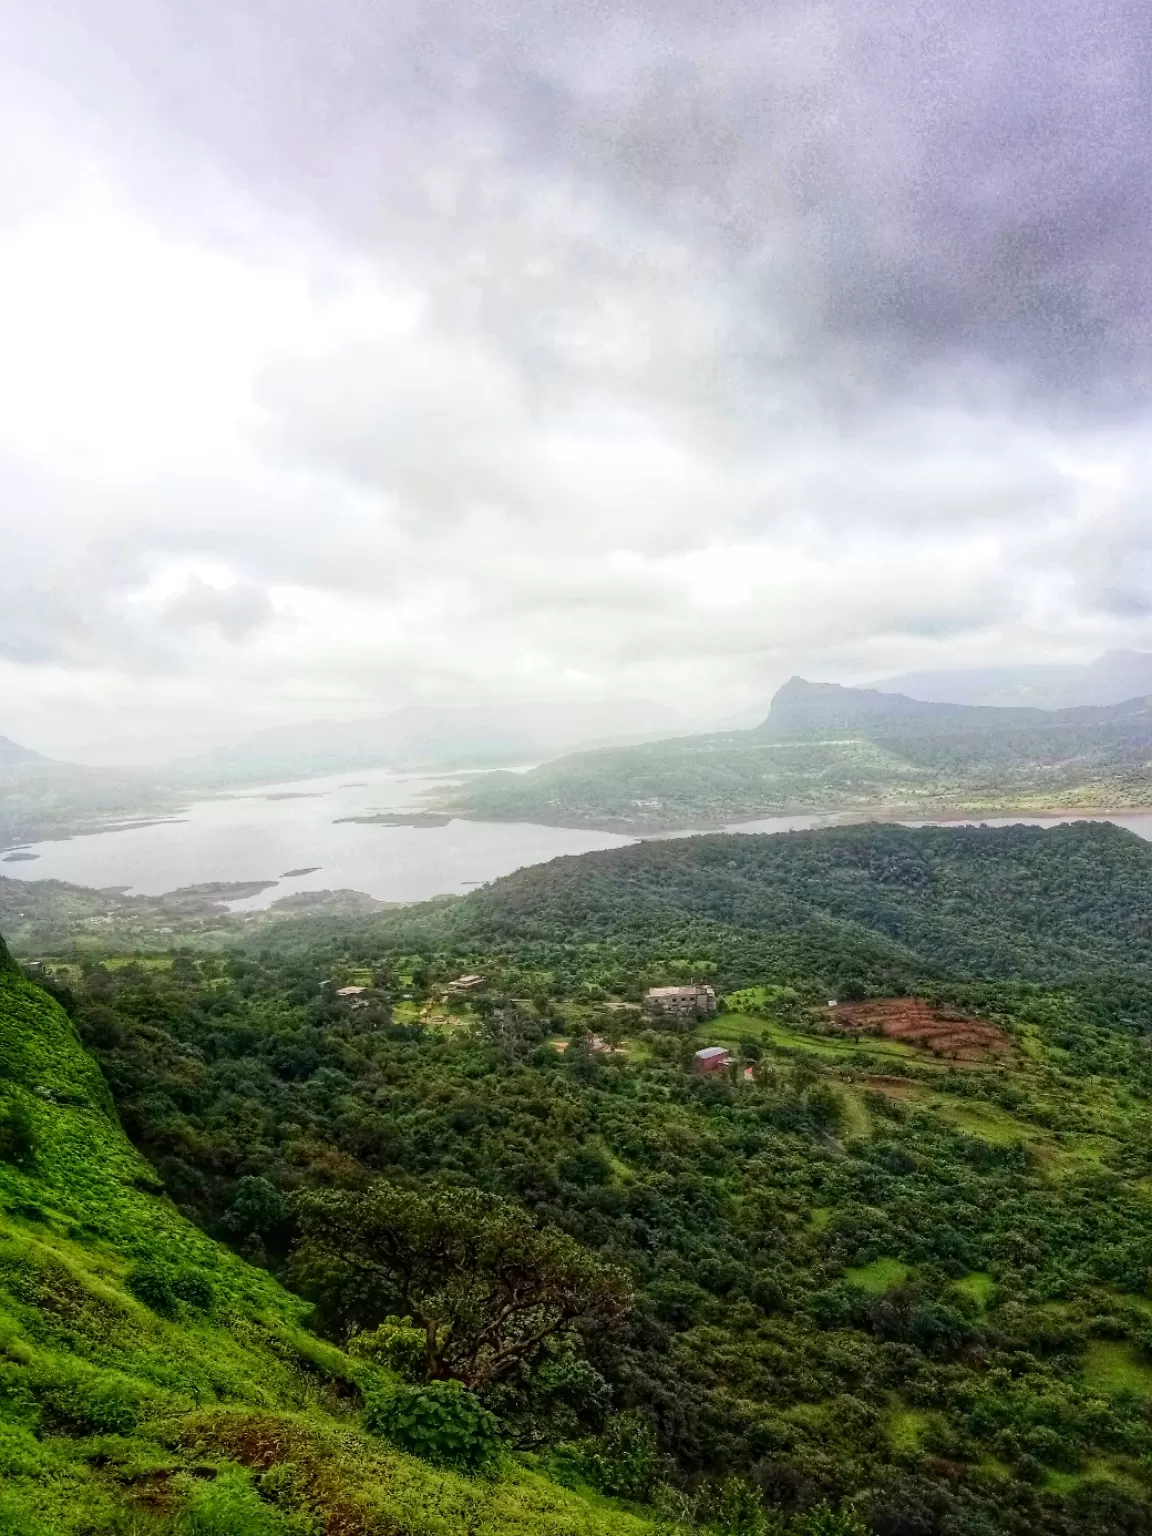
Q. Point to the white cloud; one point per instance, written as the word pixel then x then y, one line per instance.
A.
pixel 538 371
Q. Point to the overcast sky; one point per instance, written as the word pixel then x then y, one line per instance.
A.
pixel 355 354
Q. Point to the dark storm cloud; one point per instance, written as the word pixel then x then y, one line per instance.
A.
pixel 909 195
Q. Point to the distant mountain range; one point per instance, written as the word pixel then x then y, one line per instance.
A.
pixel 471 736
pixel 828 749
pixel 801 707
pixel 40 797
pixel 1110 679
pixel 823 748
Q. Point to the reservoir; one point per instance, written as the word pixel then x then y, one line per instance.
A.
pixel 293 836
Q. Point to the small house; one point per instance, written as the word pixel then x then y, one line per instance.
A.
pixel 713 1058
pixel 354 997
pixel 690 1002
pixel 467 983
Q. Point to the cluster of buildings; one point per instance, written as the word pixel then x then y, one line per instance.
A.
pixel 688 1002
pixel 693 1002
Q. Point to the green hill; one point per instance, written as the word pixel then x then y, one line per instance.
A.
pixel 894 1256
pixel 152 1382
pixel 887 902
pixel 824 748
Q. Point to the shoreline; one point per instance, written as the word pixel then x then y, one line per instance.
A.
pixel 846 816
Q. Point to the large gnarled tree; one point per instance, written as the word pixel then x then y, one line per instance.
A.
pixel 485 1285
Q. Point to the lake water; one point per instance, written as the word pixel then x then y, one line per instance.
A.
pixel 260 834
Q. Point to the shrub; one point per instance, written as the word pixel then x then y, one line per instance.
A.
pixel 231 1507
pixel 397 1344
pixel 164 1286
pixel 625 1461
pixel 257 1207
pixel 441 1421
pixel 826 1521
pixel 17 1134
pixel 90 1402
pixel 740 1512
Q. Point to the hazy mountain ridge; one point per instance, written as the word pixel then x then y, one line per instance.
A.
pixel 41 797
pixel 13 755
pixel 802 707
pixel 829 749
pixel 1109 679
pixel 426 736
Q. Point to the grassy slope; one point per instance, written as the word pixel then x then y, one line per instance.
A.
pixel 223 1419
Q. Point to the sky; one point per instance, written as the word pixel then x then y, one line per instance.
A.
pixel 356 355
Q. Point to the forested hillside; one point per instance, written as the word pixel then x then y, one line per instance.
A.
pixel 154 1384
pixel 887 1271
pixel 825 748
pixel 874 903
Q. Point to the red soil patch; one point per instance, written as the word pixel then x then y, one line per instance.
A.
pixel 943 1031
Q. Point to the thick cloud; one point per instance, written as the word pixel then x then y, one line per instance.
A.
pixel 360 354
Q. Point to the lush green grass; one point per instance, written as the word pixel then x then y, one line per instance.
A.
pixel 732 1029
pixel 879 1276
pixel 978 1287
pixel 991 1123
pixel 1117 1367
pixel 906 1430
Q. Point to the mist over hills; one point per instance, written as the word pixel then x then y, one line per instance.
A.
pixel 801 707
pixel 41 797
pixel 1110 679
pixel 13 755
pixel 629 766
pixel 467 736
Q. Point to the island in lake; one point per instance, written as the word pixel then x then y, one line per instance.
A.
pixel 399 819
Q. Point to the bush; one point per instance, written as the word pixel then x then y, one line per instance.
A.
pixel 441 1421
pixel 825 1521
pixel 164 1286
pixel 257 1208
pixel 740 1512
pixel 625 1461
pixel 397 1344
pixel 90 1402
pixel 231 1507
pixel 17 1134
